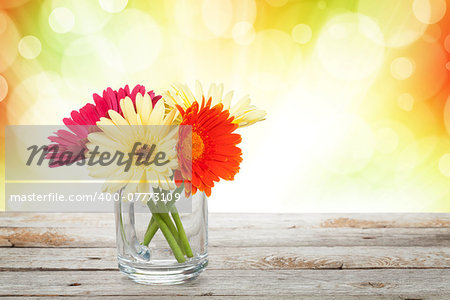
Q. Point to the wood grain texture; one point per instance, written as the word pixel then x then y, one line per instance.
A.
pixel 275 283
pixel 257 256
pixel 100 237
pixel 262 258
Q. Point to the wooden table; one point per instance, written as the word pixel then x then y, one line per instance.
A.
pixel 263 256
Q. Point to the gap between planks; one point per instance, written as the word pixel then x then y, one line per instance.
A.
pixel 255 220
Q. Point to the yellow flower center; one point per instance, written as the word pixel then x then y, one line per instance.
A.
pixel 197 146
pixel 145 150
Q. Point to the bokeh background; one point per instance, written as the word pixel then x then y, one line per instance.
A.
pixel 357 92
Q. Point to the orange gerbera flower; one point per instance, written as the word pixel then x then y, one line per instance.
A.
pixel 207 149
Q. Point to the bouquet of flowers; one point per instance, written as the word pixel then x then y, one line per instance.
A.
pixel 195 132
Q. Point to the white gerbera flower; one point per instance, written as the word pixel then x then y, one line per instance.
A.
pixel 135 133
pixel 243 112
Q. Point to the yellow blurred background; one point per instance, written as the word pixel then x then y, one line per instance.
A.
pixel 356 91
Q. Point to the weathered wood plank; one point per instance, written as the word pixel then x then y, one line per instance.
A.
pixel 240 220
pixel 331 237
pixel 57 237
pixel 276 283
pixel 329 258
pixel 101 237
pixel 409 252
pixel 268 258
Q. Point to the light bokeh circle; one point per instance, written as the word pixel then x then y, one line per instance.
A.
pixel 30 47
pixel 392 137
pixel 113 6
pixel 350 47
pixel 137 38
pixel 402 68
pixel 301 33
pixel 217 15
pixel 429 11
pixel 61 20
pixel 428 76
pixel 395 19
pixel 447 43
pixel 3 88
pixel 55 23
pixel 88 16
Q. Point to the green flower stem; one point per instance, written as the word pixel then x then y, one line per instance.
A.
pixel 152 228
pixel 167 233
pixel 151 231
pixel 170 239
pixel 172 228
pixel 164 209
pixel 181 233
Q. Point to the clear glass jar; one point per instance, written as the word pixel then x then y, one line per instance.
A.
pixel 154 261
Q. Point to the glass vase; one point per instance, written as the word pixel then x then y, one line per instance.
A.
pixel 152 256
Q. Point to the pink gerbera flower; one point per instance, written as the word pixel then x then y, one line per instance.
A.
pixel 70 146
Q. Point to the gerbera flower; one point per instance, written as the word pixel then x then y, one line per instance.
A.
pixel 243 112
pixel 121 133
pixel 74 141
pixel 207 149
